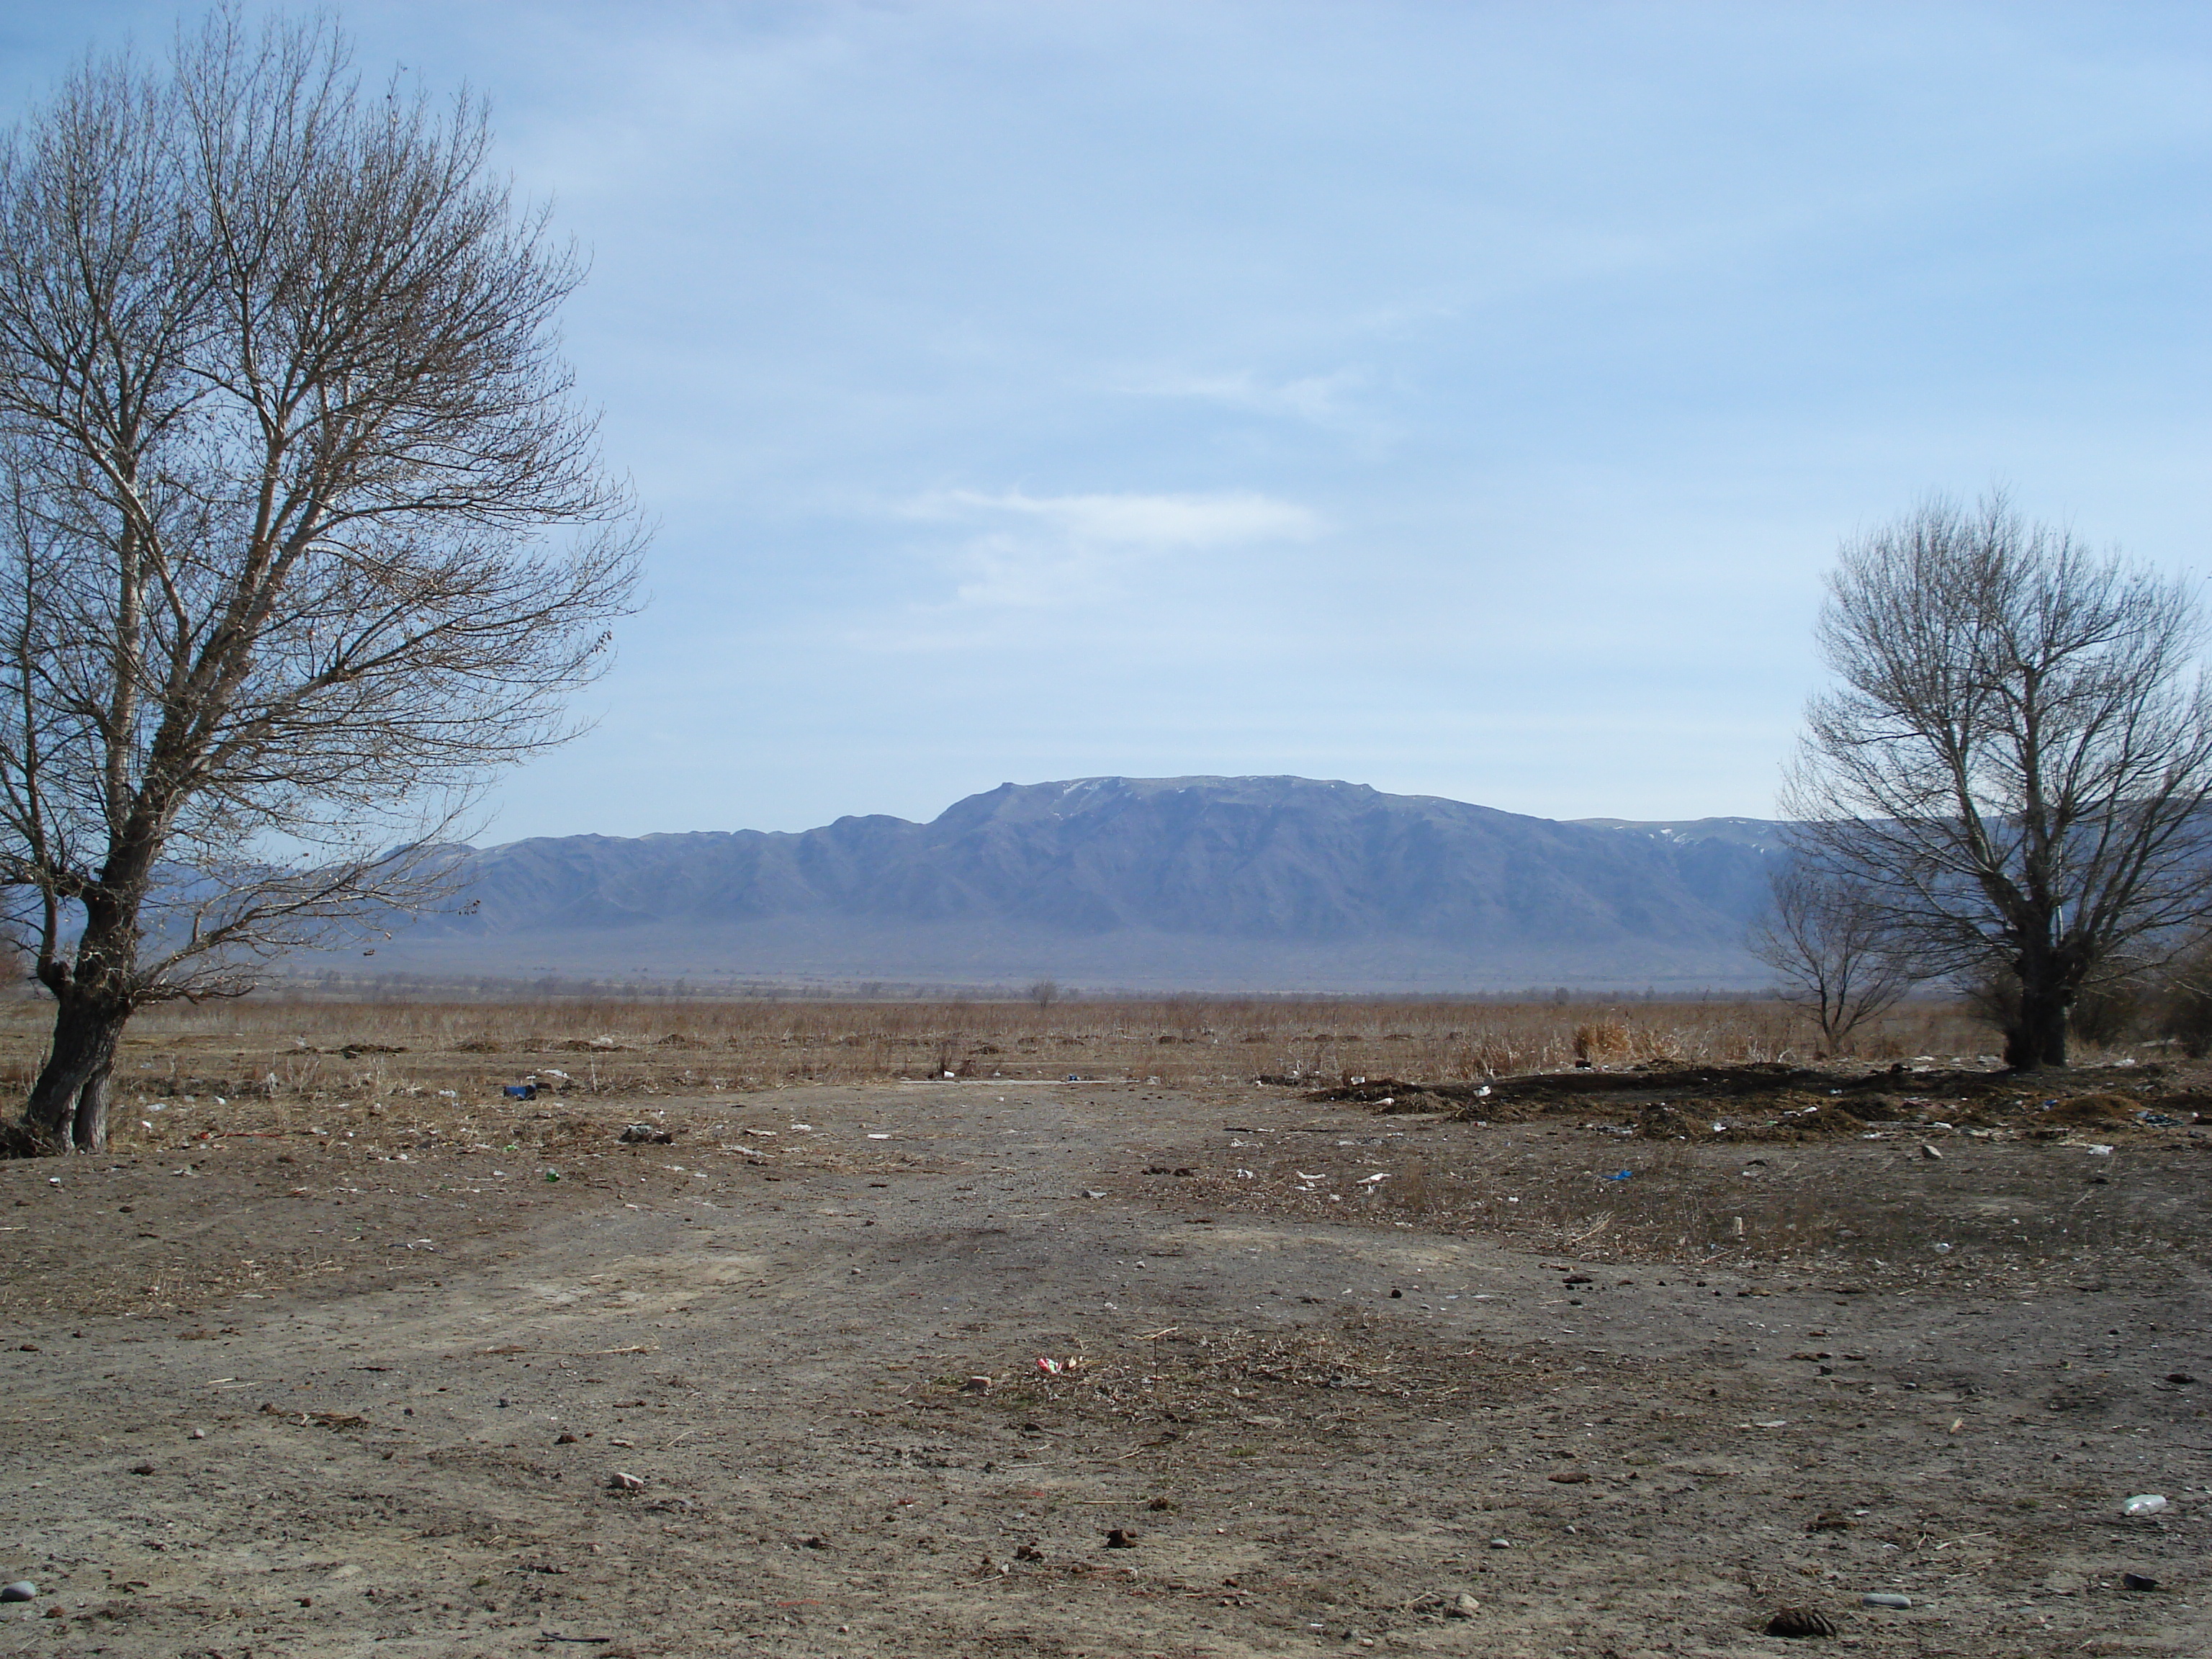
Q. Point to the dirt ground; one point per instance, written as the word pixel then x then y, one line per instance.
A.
pixel 981 1366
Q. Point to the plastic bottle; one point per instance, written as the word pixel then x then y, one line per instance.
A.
pixel 2149 1503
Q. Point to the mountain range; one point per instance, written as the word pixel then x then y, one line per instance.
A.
pixel 1203 884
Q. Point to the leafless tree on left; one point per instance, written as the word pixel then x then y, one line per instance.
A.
pixel 302 531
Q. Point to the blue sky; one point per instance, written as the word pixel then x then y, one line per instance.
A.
pixel 1460 398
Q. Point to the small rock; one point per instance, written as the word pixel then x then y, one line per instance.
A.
pixel 21 1590
pixel 1569 1478
pixel 1120 1539
pixel 1028 1553
pixel 142 1468
pixel 619 1481
pixel 564 1440
pixel 1463 1606
pixel 2182 1378
pixel 2134 1581
pixel 57 1612
pixel 1926 1151
pixel 976 1385
pixel 1501 1543
pixel 1094 1192
pixel 1885 1599
pixel 1801 1621
pixel 198 1434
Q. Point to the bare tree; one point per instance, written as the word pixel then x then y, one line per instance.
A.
pixel 284 436
pixel 2015 759
pixel 1829 942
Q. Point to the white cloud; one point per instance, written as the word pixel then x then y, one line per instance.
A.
pixel 1319 399
pixel 1041 552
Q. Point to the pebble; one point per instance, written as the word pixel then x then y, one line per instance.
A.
pixel 619 1481
pixel 1463 1607
pixel 1883 1598
pixel 2134 1581
pixel 1501 1543
pixel 21 1590
pixel 198 1434
pixel 1120 1539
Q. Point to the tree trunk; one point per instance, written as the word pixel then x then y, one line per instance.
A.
pixel 68 1107
pixel 2038 1036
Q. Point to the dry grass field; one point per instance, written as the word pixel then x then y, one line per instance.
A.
pixel 307 1049
pixel 1179 1329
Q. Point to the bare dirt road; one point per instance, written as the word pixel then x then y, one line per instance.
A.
pixel 969 1368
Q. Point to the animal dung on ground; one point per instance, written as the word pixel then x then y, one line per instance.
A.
pixel 1801 1621
pixel 1120 1539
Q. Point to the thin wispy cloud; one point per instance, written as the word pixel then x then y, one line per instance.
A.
pixel 1040 552
pixel 1322 400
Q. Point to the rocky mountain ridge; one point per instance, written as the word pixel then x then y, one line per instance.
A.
pixel 1278 883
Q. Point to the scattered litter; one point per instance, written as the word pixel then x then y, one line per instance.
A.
pixel 873 1136
pixel 648 1134
pixel 1622 1174
pixel 1094 1192
pixel 1369 1181
pixel 2098 1149
pixel 520 1090
pixel 1885 1599
pixel 1942 1250
pixel 552 1175
pixel 2149 1502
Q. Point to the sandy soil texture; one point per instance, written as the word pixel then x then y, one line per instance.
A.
pixel 978 1367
